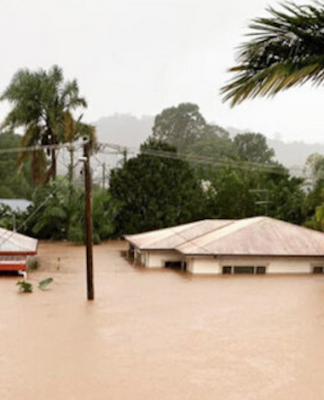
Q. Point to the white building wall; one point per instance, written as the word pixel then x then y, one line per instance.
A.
pixel 274 265
pixel 214 265
pixel 291 266
pixel 203 266
pixel 157 259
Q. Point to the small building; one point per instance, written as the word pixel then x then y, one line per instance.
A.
pixel 15 249
pixel 258 245
pixel 16 205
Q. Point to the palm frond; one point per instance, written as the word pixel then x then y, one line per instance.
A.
pixel 285 50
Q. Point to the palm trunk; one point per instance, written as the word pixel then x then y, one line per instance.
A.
pixel 52 171
pixel 71 151
pixel 53 166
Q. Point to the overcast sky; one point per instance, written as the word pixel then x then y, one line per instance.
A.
pixel 141 56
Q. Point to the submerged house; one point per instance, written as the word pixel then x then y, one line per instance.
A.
pixel 258 245
pixel 15 250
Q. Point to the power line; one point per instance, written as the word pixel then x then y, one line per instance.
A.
pixel 38 208
pixel 244 165
pixel 35 148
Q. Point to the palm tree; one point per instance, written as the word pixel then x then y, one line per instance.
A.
pixel 286 49
pixel 40 100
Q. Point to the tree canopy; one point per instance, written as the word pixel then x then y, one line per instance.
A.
pixel 156 192
pixel 41 101
pixel 15 182
pixel 253 147
pixel 180 126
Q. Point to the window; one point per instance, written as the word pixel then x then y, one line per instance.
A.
pixel 243 270
pixel 173 264
pixel 318 270
pixel 227 270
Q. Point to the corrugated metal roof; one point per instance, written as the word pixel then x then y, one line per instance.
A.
pixel 252 236
pixel 170 238
pixel 12 242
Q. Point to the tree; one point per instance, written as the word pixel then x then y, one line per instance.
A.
pixel 179 126
pixel 253 147
pixel 285 50
pixel 61 213
pixel 241 193
pixel 313 205
pixel 314 169
pixel 219 148
pixel 156 192
pixel 228 194
pixel 39 102
pixel 15 182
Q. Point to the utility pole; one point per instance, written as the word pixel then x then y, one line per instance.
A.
pixel 125 155
pixel 87 182
pixel 103 175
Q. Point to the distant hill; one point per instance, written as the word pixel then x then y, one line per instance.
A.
pixel 128 130
pixel 294 153
pixel 124 129
pixel 288 153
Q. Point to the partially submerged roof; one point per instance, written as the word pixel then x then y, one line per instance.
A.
pixel 16 243
pixel 170 238
pixel 258 236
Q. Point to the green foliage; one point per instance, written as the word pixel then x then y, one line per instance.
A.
pixel 180 126
pixel 104 212
pixel 232 194
pixel 41 104
pixel 156 192
pixel 10 219
pixel 61 213
pixel 44 283
pixel 25 287
pixel 285 50
pixel 33 263
pixel 253 147
pixel 229 196
pixel 57 203
pixel 286 196
pixel 15 182
pixel 314 169
pixel 219 148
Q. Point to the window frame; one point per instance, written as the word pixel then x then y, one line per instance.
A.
pixel 233 266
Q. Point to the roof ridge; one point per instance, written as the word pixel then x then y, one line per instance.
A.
pixel 234 223
pixel 301 227
pixel 251 221
pixel 170 228
pixel 203 234
pixel 189 226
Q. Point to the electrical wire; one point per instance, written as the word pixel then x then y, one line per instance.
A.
pixel 244 165
pixel 36 148
pixel 122 149
pixel 38 208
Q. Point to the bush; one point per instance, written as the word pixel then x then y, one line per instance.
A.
pixel 33 263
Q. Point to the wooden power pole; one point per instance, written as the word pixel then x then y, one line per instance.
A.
pixel 87 181
pixel 103 175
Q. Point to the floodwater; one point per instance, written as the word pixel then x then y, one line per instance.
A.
pixel 159 335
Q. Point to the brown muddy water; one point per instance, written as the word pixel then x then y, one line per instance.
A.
pixel 159 335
